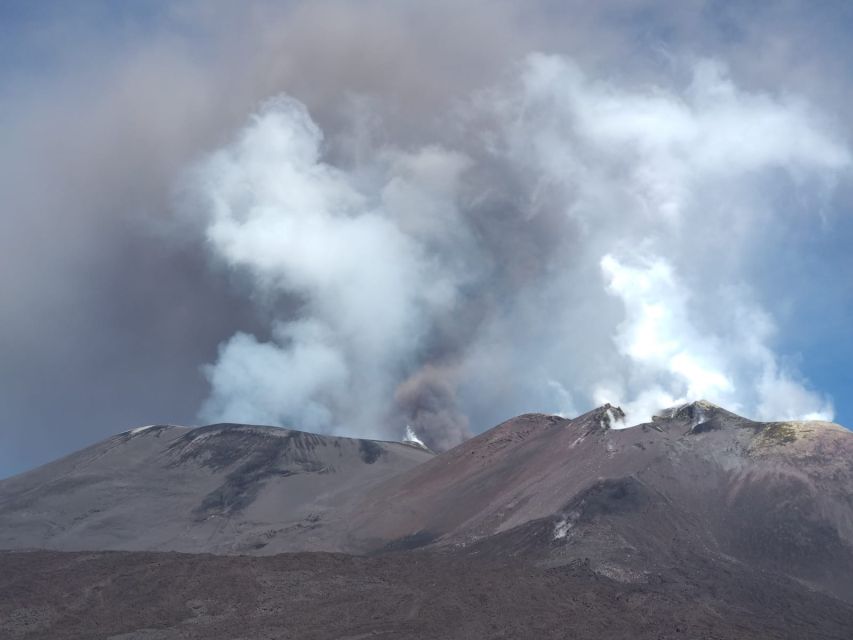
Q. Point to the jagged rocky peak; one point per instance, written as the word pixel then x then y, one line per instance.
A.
pixel 702 416
pixel 609 416
pixel 690 411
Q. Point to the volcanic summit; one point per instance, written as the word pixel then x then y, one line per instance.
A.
pixel 752 519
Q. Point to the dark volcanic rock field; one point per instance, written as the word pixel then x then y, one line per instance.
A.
pixel 398 596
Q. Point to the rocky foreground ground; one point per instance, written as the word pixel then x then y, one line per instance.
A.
pixel 399 596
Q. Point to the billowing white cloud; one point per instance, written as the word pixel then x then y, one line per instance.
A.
pixel 298 374
pixel 672 362
pixel 572 242
pixel 672 190
pixel 621 146
pixel 367 288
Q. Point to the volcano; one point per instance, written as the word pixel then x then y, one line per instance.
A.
pixel 223 488
pixel 699 524
pixel 777 495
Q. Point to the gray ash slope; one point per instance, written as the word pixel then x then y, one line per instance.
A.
pixel 222 488
pixel 699 524
pixel 697 484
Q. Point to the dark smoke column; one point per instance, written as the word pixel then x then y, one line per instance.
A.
pixel 427 402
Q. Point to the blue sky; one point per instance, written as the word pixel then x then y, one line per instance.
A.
pixel 492 231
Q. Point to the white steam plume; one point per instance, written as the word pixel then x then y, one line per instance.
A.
pixel 368 288
pixel 564 242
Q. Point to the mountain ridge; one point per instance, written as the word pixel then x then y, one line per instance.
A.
pixel 215 488
pixel 699 523
pixel 776 495
pixel 697 475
